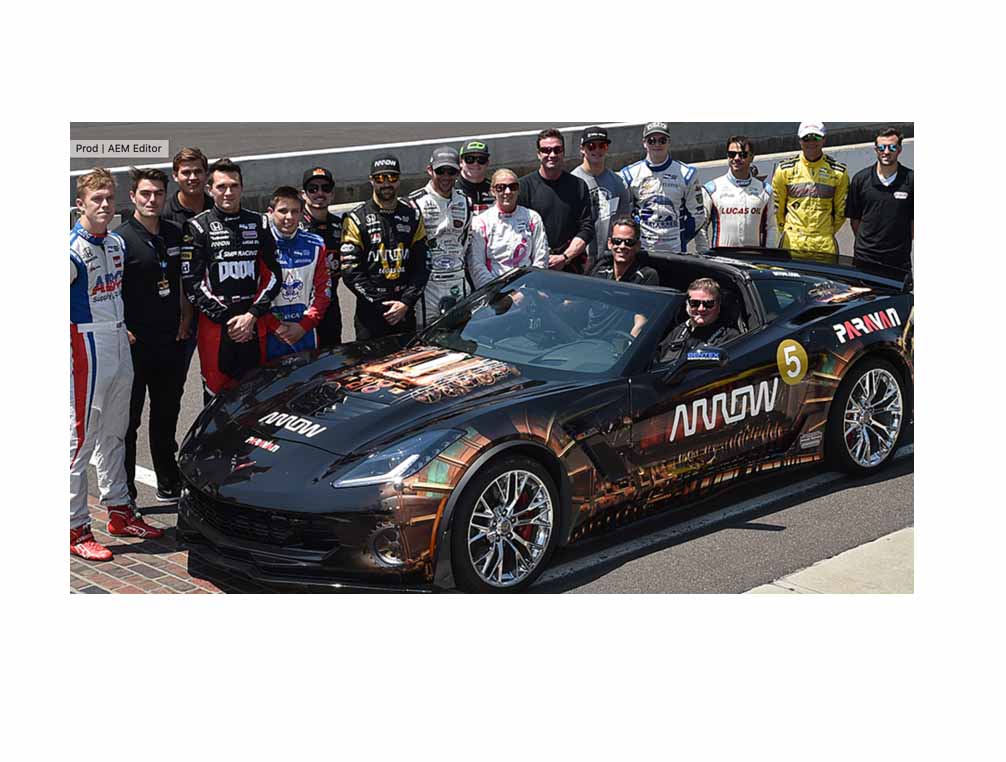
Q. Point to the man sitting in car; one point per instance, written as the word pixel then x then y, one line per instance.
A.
pixel 703 325
pixel 620 263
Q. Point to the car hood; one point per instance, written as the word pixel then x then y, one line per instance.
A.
pixel 347 408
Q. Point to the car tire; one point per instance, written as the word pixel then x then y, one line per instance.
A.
pixel 505 526
pixel 867 417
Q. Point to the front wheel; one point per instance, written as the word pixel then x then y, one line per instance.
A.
pixel 866 417
pixel 505 527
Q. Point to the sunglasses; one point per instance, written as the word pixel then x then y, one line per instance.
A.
pixel 624 241
pixel 593 146
pixel 556 150
pixel 383 178
pixel 656 141
pixel 696 303
pixel 504 187
pixel 811 138
pixel 449 171
pixel 476 159
pixel 883 149
pixel 735 154
pixel 319 188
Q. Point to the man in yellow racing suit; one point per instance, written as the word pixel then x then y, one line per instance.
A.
pixel 810 192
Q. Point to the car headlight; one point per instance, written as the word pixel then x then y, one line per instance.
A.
pixel 400 460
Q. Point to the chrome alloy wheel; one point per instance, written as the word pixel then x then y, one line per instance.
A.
pixel 873 417
pixel 510 528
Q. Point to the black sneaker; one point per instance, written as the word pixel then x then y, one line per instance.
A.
pixel 170 495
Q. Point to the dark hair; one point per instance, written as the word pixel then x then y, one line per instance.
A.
pixel 154 175
pixel 551 132
pixel 285 191
pixel 224 165
pixel 189 154
pixel 889 132
pixel 743 141
pixel 626 220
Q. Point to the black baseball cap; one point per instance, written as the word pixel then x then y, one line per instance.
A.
pixel 385 163
pixel 474 148
pixel 656 128
pixel 594 135
pixel 315 173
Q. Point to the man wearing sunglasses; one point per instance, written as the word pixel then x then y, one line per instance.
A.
pixel 507 236
pixel 620 263
pixel 703 325
pixel 383 255
pixel 447 217
pixel 666 195
pixel 473 181
pixel 881 207
pixel 810 192
pixel 319 192
pixel 608 194
pixel 563 201
pixel 738 206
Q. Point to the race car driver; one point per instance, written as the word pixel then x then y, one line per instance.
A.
pixel 101 370
pixel 447 217
pixel 666 195
pixel 300 306
pixel 506 236
pixel 810 192
pixel 738 206
pixel 384 255
pixel 319 193
pixel 473 181
pixel 230 273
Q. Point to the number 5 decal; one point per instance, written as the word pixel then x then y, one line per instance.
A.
pixel 792 361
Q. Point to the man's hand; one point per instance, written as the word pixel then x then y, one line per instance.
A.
pixel 129 335
pixel 396 312
pixel 184 328
pixel 556 261
pixel 242 327
pixel 290 333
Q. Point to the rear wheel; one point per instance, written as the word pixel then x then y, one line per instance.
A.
pixel 866 417
pixel 505 526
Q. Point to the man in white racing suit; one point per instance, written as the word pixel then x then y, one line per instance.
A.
pixel 505 236
pixel 666 195
pixel 447 216
pixel 738 207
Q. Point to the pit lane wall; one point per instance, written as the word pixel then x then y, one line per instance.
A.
pixel 692 142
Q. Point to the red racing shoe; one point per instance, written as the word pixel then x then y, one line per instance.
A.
pixel 122 522
pixel 83 544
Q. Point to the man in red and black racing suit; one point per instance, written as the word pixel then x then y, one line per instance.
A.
pixel 231 275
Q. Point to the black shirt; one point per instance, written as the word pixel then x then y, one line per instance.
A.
pixel 605 320
pixel 331 232
pixel 564 206
pixel 178 214
pixel 886 214
pixel 151 280
pixel 481 194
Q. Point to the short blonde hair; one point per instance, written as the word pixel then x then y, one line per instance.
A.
pixel 502 171
pixel 94 180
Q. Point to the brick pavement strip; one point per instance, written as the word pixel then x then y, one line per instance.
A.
pixel 148 571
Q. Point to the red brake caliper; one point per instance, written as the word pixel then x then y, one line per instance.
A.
pixel 526 532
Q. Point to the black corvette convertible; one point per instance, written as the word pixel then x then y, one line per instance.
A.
pixel 530 416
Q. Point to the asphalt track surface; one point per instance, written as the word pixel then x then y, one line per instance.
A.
pixel 776 537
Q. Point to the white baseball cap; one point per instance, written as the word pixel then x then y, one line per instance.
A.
pixel 811 128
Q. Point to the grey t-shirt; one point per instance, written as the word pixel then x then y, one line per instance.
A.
pixel 608 198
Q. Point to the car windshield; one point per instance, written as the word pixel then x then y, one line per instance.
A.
pixel 548 320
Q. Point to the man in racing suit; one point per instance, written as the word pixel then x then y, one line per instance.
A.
pixel 666 195
pixel 447 217
pixel 230 273
pixel 810 192
pixel 506 236
pixel 101 370
pixel 319 192
pixel 473 181
pixel 738 207
pixel 383 256
pixel 300 306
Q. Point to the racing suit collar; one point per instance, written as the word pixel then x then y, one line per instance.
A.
pixel 660 167
pixel 737 181
pixel 80 230
pixel 278 235
pixel 434 192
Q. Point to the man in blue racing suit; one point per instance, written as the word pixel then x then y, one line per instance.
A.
pixel 666 195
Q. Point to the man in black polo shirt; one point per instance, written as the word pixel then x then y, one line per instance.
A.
pixel 881 207
pixel 620 263
pixel 158 320
pixel 563 201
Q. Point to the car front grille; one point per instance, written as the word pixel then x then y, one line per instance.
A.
pixel 275 528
